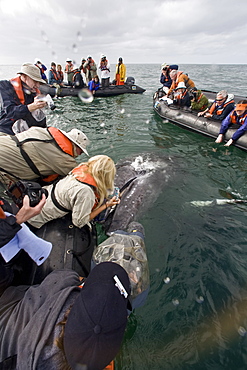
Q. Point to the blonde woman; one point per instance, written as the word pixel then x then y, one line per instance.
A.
pixel 83 192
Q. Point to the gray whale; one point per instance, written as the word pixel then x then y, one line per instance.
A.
pixel 146 175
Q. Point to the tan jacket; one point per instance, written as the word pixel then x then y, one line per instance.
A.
pixel 48 157
pixel 72 195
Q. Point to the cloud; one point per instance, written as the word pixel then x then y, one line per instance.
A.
pixel 147 31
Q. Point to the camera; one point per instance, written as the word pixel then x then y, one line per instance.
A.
pixel 48 99
pixel 18 190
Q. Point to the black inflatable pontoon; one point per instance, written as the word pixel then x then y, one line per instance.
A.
pixel 128 88
pixel 191 121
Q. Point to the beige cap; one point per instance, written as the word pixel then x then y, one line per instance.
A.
pixel 78 138
pixel 31 71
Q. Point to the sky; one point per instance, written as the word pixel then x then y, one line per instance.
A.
pixel 140 31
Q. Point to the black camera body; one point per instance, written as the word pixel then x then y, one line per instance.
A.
pixel 18 190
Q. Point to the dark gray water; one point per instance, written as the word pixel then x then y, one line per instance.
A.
pixel 195 316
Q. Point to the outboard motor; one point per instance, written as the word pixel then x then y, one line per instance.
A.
pixel 130 81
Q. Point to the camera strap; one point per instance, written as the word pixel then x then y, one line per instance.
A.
pixel 54 200
pixel 26 156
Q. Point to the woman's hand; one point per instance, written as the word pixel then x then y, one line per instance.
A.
pixel 112 202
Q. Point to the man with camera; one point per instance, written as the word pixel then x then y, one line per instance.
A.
pixel 20 250
pixel 40 152
pixel 90 69
pixel 20 107
pixel 47 319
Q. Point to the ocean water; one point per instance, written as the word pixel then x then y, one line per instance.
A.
pixel 195 316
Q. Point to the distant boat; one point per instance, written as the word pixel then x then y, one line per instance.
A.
pixel 128 88
pixel 190 120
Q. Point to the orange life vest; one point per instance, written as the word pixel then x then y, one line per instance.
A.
pixel 219 109
pixel 63 142
pixel 88 66
pixel 17 85
pixel 86 179
pixel 75 73
pixel 238 119
pixel 2 214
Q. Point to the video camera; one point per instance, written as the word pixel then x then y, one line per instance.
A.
pixel 18 190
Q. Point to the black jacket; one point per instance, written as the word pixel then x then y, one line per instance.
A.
pixel 12 109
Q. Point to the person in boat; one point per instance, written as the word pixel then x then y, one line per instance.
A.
pixel 20 250
pixel 165 78
pixel 83 192
pixel 199 101
pixel 179 76
pixel 42 69
pixel 104 67
pixel 120 74
pixel 94 84
pixel 89 68
pixel 60 74
pixel 65 322
pixel 221 107
pixel 237 118
pixel 77 80
pixel 40 152
pixel 181 96
pixel 53 78
pixel 20 106
pixel 69 68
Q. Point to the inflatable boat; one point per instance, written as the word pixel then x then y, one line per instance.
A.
pixel 128 88
pixel 189 119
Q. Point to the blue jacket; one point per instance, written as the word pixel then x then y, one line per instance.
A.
pixel 93 86
pixel 165 81
pixel 12 109
pixel 51 79
pixel 226 123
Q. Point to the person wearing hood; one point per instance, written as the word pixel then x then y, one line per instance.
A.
pixel 221 107
pixel 19 101
pixel 40 152
pixel 237 118
pixel 65 322
pixel 199 101
pixel 120 72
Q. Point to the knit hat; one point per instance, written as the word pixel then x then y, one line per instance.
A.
pixel 97 320
pixel 78 138
pixel 31 71
pixel 173 66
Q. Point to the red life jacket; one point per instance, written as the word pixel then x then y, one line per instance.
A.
pixel 87 179
pixel 63 142
pixel 75 73
pixel 238 119
pixel 219 109
pixel 60 75
pixel 17 85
